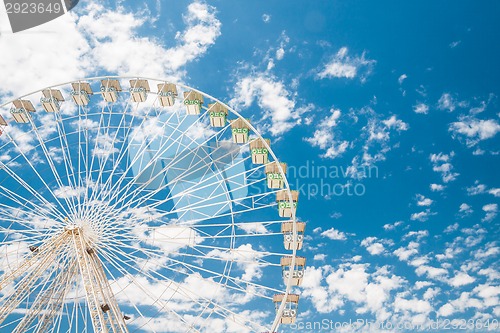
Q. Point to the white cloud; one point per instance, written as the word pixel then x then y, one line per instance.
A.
pixel 246 258
pixel 392 226
pixel 441 163
pixel 393 122
pixel 491 211
pixel 404 253
pixel 401 78
pixel 447 102
pixel 100 38
pixel 421 108
pixel 412 305
pixel 253 228
pixel 372 246
pixel 476 189
pixel 343 66
pixel 461 279
pixel 334 234
pixel 422 216
pixel 495 192
pixel 369 291
pixel 66 192
pixel 272 96
pixel 431 272
pixel 324 138
pixel 459 305
pixel 266 18
pixel 437 187
pixel 422 284
pixel 280 53
pixel 423 201
pixel 465 209
pixel 475 130
pixel 319 257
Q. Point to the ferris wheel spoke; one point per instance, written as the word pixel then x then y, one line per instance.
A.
pixel 196 221
pixel 104 311
pixel 90 183
pixel 108 186
pixel 111 145
pixel 198 269
pixel 68 158
pixel 29 207
pixel 193 188
pixel 126 273
pixel 142 202
pixel 55 173
pixel 161 151
pixel 190 170
pixel 24 287
pixel 47 303
pixel 188 293
pixel 197 205
pixel 32 191
pixel 260 262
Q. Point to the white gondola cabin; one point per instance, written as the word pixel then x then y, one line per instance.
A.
pixel 139 90
pixel 274 177
pixel 298 270
pixel 193 101
pixel 240 130
pixel 21 110
pixel 110 89
pixel 51 100
pixel 81 93
pixel 167 92
pixel 259 151
pixel 287 230
pixel 289 314
pixel 218 114
pixel 284 207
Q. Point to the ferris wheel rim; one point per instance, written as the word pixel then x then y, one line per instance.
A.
pixel 287 189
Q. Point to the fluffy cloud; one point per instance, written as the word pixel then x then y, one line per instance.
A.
pixel 441 164
pixel 421 108
pixel 423 201
pixel 422 216
pixel 334 234
pixel 436 187
pixel 491 211
pixel 368 290
pixel 324 138
pixel 100 39
pixel 495 192
pixel 474 130
pixel 344 66
pixel 465 209
pixel 476 189
pixel 447 102
pixel 461 279
pixel 273 97
pixel 373 246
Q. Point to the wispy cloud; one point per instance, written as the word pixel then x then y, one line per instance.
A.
pixel 441 164
pixel 344 66
pixel 474 130
pixel 324 137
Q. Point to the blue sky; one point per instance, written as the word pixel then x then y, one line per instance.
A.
pixel 406 90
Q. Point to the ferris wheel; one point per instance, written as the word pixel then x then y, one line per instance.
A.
pixel 140 205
